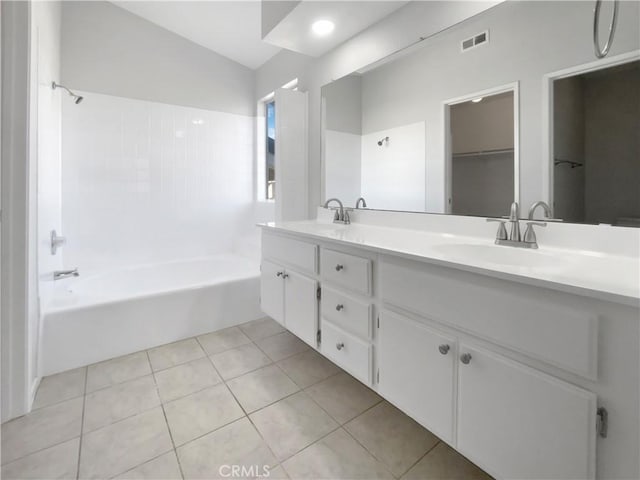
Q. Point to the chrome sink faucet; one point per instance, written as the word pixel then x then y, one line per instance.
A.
pixel 359 201
pixel 341 215
pixel 513 239
pixel 60 274
pixel 545 206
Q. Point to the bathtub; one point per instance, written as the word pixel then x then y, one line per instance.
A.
pixel 105 315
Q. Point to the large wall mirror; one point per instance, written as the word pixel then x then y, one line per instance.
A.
pixel 463 122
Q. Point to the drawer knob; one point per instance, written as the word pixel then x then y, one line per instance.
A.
pixel 339 307
pixel 444 348
pixel 340 345
pixel 465 358
pixel 339 267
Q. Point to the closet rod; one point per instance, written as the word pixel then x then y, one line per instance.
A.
pixel 483 152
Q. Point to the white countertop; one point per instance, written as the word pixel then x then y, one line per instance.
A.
pixel 604 276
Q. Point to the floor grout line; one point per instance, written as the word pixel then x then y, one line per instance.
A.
pixel 84 405
pixel 166 422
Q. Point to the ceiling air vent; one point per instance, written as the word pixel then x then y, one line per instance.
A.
pixel 475 41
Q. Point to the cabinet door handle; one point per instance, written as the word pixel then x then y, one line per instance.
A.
pixel 339 307
pixel 285 275
pixel 444 348
pixel 340 345
pixel 465 358
pixel 339 267
pixel 279 274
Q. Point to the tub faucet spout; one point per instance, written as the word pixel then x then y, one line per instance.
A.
pixel 60 274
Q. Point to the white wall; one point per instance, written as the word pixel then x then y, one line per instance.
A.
pixel 393 174
pixel 161 181
pixel 19 273
pixel 148 182
pixel 343 166
pixel 47 21
pixel 528 39
pixel 109 50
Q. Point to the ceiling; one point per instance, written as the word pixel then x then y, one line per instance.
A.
pixel 233 28
pixel 230 28
pixel 350 17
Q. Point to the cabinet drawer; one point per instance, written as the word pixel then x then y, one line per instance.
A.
pixel 346 312
pixel 290 252
pixel 347 351
pixel 540 323
pixel 347 270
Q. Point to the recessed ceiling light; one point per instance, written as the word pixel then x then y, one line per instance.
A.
pixel 323 27
pixel 477 100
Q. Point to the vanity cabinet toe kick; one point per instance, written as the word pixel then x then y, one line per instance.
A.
pixel 507 374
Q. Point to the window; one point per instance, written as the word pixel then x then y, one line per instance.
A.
pixel 270 150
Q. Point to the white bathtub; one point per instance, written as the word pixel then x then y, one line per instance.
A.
pixel 102 316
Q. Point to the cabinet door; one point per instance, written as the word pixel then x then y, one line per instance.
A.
pixel 272 290
pixel 517 422
pixel 301 307
pixel 416 366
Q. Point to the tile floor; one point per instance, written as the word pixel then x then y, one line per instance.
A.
pixel 253 396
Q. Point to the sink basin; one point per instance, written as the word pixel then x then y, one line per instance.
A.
pixel 501 255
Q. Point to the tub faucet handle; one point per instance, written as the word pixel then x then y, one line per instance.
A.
pixel 56 242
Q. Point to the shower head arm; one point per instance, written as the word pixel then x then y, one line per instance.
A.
pixel 78 98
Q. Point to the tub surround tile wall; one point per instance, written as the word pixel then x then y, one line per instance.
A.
pixel 322 425
pixel 146 182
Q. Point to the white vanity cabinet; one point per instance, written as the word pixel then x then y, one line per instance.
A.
pixel 346 312
pixel 517 422
pixel 416 367
pixel 509 374
pixel 286 294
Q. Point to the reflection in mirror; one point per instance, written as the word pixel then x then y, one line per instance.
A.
pixel 482 155
pixel 596 142
pixel 387 126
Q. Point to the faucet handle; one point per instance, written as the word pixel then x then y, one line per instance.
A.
pixel 530 234
pixel 502 230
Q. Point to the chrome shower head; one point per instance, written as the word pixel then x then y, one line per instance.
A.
pixel 77 98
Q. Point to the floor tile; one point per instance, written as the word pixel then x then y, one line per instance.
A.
pixel 343 397
pixel 238 361
pixel 41 428
pixel 392 437
pixel 60 387
pixel 292 424
pixel 174 354
pixel 117 370
pixel 259 388
pixel 123 400
pixel 277 473
pixel 281 346
pixel 213 455
pixel 307 368
pixel 337 455
pixel 444 462
pixel 164 467
pixel 184 379
pixel 193 416
pixel 262 328
pixel 59 461
pixel 222 340
pixel 121 446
